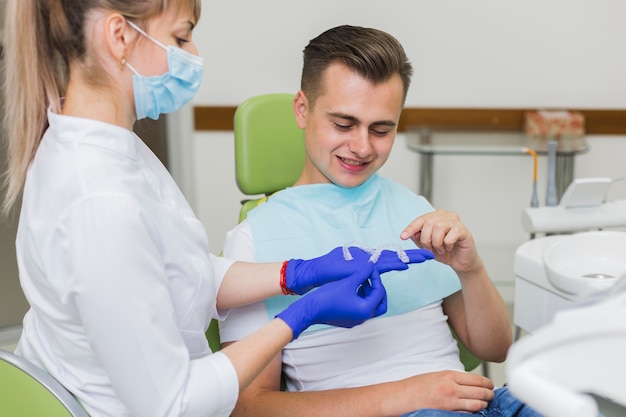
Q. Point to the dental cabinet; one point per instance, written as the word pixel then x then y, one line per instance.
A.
pixel 536 299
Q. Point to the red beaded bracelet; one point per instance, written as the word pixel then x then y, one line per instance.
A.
pixel 283 280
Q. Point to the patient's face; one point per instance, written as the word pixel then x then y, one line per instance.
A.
pixel 351 129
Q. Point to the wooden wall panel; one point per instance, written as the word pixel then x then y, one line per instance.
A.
pixel 598 122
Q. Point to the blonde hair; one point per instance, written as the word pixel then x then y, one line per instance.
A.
pixel 41 38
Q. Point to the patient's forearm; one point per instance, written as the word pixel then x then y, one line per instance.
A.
pixel 350 402
pixel 488 326
pixel 445 390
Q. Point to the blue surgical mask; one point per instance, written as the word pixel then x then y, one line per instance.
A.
pixel 161 94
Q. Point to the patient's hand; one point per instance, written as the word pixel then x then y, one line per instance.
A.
pixel 443 232
pixel 445 390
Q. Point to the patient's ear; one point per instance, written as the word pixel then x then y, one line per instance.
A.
pixel 300 107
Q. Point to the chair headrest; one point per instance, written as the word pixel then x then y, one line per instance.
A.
pixel 269 145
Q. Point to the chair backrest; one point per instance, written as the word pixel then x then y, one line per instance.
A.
pixel 26 390
pixel 468 359
pixel 269 145
pixel 269 156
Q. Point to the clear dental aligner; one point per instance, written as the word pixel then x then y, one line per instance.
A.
pixel 375 253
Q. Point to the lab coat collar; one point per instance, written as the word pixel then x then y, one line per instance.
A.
pixel 93 132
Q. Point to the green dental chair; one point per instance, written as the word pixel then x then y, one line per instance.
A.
pixel 269 147
pixel 269 156
pixel 28 391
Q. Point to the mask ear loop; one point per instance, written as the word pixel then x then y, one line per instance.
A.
pixel 138 29
pixel 130 67
pixel 141 31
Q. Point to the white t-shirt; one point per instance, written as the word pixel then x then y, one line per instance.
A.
pixel 119 278
pixel 379 350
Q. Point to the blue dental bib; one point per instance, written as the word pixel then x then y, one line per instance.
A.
pixel 310 220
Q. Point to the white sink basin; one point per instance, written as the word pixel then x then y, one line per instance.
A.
pixel 587 262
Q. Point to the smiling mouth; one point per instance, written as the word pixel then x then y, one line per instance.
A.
pixel 352 162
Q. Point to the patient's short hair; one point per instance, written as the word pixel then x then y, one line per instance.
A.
pixel 371 53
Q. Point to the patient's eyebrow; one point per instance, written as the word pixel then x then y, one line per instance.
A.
pixel 356 120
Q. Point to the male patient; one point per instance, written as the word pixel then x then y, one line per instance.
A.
pixel 354 84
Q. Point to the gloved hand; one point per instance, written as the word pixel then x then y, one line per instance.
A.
pixel 344 303
pixel 390 261
pixel 304 275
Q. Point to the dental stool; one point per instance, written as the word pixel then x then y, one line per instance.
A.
pixel 26 390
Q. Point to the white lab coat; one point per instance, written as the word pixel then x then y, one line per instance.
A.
pixel 118 273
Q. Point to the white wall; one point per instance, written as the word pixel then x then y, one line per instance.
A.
pixel 479 53
pixel 484 53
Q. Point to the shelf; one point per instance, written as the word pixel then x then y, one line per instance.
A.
pixel 426 141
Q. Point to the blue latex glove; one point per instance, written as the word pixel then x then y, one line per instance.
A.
pixel 344 303
pixel 389 260
pixel 304 275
